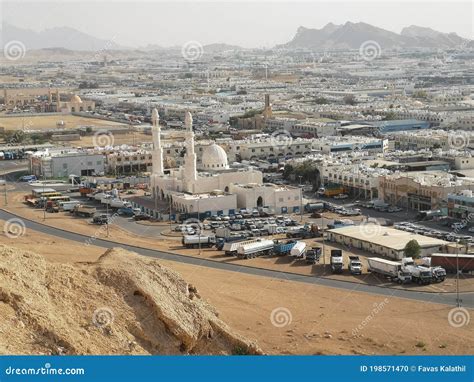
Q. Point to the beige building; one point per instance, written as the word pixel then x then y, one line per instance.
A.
pixel 421 190
pixel 384 241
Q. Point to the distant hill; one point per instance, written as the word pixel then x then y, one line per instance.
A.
pixel 61 37
pixel 352 35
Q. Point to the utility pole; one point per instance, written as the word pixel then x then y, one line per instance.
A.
pixel 301 199
pixel 44 200
pixel 458 300
pixel 107 218
pixel 199 227
pixel 5 190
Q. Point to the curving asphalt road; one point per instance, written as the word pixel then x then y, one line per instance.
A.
pixel 439 298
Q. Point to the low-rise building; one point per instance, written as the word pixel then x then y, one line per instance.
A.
pixel 384 241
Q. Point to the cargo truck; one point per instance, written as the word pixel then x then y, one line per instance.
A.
pixel 258 248
pixel 452 262
pixel 194 241
pixel 283 248
pixel 221 241
pixel 230 248
pixel 84 211
pixel 355 266
pixel 419 273
pixel 337 261
pixel 313 255
pixel 299 250
pixel 388 268
pixel 305 232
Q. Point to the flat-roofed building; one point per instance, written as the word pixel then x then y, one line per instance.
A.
pixel 384 241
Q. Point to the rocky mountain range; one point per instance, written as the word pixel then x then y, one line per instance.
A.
pixel 352 35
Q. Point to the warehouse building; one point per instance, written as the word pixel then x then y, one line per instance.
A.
pixel 384 241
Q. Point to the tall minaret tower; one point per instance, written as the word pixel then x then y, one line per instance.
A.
pixel 190 173
pixel 157 149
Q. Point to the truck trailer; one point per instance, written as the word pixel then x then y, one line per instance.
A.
pixel 299 250
pixel 388 268
pixel 258 248
pixel 451 262
pixel 194 241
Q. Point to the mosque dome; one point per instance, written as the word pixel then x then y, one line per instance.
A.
pixel 214 157
pixel 76 99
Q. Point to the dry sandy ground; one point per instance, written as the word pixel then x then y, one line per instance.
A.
pixel 49 122
pixel 122 303
pixel 65 221
pixel 286 317
pixel 119 139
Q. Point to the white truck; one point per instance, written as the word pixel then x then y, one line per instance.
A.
pixel 419 273
pixel 337 261
pixel 69 205
pixel 230 248
pixel 258 248
pixel 119 203
pixel 355 266
pixel 299 250
pixel 391 269
pixel 193 241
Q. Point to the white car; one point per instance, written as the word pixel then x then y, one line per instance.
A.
pixel 341 196
pixel 471 229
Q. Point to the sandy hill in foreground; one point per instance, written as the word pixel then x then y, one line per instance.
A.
pixel 121 304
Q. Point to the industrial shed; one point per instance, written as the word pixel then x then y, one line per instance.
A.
pixel 384 241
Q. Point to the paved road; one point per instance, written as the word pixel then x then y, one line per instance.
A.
pixel 442 298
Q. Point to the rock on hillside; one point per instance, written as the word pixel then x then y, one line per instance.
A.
pixel 122 304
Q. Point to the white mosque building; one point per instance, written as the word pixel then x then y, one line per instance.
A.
pixel 215 188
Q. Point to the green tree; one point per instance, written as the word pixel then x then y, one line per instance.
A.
pixel 349 99
pixel 412 249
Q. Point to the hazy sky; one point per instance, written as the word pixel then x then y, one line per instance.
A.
pixel 245 23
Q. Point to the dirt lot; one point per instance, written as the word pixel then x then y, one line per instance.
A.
pixel 307 319
pixel 286 264
pixel 49 122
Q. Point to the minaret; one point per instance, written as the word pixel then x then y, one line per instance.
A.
pixel 157 149
pixel 190 173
